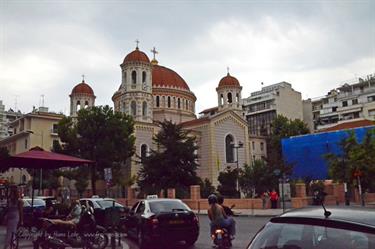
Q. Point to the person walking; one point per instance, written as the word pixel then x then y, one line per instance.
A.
pixel 274 197
pixel 14 216
pixel 265 197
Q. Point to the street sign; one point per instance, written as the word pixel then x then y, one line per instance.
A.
pixel 107 174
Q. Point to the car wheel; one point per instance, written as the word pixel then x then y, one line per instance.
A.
pixel 141 239
pixel 191 241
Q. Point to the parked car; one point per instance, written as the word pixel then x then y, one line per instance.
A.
pixel 32 214
pixel 99 206
pixel 313 228
pixel 161 221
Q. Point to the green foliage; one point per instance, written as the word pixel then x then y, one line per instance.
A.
pixel 282 127
pixel 228 180
pixel 99 134
pixel 206 188
pixel 354 157
pixel 173 164
pixel 257 178
pixel 4 153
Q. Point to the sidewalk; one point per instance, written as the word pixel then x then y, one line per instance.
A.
pixel 251 212
pixel 27 244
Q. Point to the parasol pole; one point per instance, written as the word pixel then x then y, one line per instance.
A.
pixel 32 192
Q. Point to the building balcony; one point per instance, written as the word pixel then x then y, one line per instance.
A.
pixel 266 109
pixel 351 108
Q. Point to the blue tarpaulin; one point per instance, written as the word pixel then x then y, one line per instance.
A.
pixel 306 153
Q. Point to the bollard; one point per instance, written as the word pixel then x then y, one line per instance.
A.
pixel 113 242
pixel 119 239
pixel 199 207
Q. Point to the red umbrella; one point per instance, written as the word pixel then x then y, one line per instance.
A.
pixel 37 158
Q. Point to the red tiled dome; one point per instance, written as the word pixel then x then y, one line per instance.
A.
pixel 82 88
pixel 137 55
pixel 229 81
pixel 162 76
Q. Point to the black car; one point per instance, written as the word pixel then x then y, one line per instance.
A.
pixel 100 205
pixel 313 228
pixel 162 221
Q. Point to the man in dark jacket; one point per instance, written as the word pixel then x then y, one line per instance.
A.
pixel 220 201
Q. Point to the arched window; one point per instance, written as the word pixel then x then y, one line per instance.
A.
pixel 221 99
pixel 174 102
pixel 229 98
pixel 123 107
pixel 134 78
pixel 169 101
pixel 133 108
pixel 229 150
pixel 23 179
pixel 86 104
pixel 157 101
pixel 237 98
pixel 187 105
pixel 124 77
pixel 144 150
pixel 144 109
pixel 178 103
pixel 144 77
pixel 78 105
pixel 163 102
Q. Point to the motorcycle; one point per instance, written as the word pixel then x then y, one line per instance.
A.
pixel 85 234
pixel 221 236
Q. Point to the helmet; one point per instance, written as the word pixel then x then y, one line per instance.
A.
pixel 220 199
pixel 212 199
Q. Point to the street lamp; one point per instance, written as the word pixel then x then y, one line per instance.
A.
pixel 236 147
pixel 41 134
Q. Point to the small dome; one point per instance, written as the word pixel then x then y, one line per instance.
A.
pixel 137 55
pixel 229 81
pixel 162 76
pixel 82 88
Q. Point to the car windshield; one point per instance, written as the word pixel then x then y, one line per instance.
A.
pixel 167 206
pixel 37 202
pixel 108 203
pixel 296 236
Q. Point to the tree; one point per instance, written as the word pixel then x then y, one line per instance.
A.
pixel 228 180
pixel 99 134
pixel 258 178
pixel 354 157
pixel 206 188
pixel 282 127
pixel 4 153
pixel 173 164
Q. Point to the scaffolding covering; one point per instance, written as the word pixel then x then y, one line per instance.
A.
pixel 306 153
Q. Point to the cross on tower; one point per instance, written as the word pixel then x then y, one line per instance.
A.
pixel 154 52
pixel 228 70
pixel 83 78
pixel 137 42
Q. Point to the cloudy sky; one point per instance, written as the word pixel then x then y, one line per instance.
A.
pixel 45 46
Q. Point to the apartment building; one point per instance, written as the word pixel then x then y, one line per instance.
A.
pixel 3 128
pixel 37 128
pixel 263 106
pixel 346 103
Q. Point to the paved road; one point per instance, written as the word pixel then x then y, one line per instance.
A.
pixel 246 229
pixel 247 226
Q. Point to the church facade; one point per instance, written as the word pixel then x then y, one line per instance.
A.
pixel 150 92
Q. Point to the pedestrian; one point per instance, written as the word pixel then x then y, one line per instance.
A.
pixel 14 215
pixel 274 197
pixel 265 195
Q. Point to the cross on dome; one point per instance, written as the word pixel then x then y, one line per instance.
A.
pixel 154 52
pixel 83 78
pixel 227 70
pixel 137 42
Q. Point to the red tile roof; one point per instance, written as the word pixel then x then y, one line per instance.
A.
pixel 350 125
pixel 137 55
pixel 229 81
pixel 209 110
pixel 163 76
pixel 83 88
pixel 196 122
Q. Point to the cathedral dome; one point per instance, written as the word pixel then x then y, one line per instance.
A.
pixel 83 88
pixel 137 55
pixel 229 81
pixel 165 77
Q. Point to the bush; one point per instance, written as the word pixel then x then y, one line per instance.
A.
pixel 206 188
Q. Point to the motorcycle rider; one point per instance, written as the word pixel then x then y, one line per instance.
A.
pixel 228 210
pixel 218 217
pixel 73 218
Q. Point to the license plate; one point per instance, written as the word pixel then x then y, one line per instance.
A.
pixel 219 236
pixel 176 222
